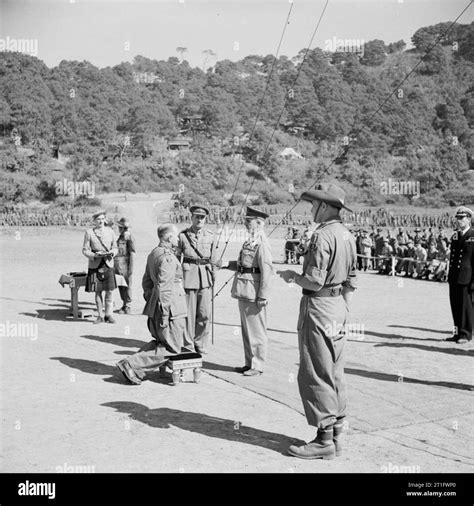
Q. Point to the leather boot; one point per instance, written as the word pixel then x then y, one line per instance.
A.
pixel 337 429
pixel 320 448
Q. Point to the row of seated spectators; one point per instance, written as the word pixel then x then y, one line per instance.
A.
pixel 421 254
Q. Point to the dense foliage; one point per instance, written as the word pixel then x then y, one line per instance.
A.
pixel 113 125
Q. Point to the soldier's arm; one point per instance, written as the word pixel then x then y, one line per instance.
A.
pixel 131 250
pixel 147 284
pixel 216 262
pixel 316 270
pixel 180 247
pixel 113 247
pixel 264 259
pixel 350 284
pixel 165 277
pixel 86 246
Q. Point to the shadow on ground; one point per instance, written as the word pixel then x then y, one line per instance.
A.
pixel 393 377
pixel 210 426
pixel 449 351
pixel 62 315
pixel 117 341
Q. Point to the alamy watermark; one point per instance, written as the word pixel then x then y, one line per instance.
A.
pixel 356 330
pixel 12 329
pixel 26 46
pixel 393 187
pixel 75 188
pixel 336 45
pixel 65 468
pixel 227 234
pixel 391 468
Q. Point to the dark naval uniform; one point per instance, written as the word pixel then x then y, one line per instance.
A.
pixel 252 282
pixel 196 249
pixel 166 310
pixel 461 282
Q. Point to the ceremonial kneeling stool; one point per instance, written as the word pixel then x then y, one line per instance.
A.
pixel 178 363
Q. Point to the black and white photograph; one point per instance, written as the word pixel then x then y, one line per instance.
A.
pixel 237 241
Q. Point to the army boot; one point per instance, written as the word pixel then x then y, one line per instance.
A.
pixel 337 430
pixel 320 448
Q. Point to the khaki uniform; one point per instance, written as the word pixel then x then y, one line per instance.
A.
pixel 198 273
pixel 125 246
pixel 329 264
pixel 165 304
pixel 255 258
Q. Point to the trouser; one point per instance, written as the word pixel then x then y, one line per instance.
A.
pixel 254 333
pixel 166 342
pixel 126 292
pixel 461 307
pixel 321 340
pixel 199 318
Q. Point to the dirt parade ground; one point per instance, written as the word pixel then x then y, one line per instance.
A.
pixel 66 408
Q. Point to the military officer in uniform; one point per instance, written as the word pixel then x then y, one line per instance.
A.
pixel 461 276
pixel 165 307
pixel 124 263
pixel 197 253
pixel 251 288
pixel 328 280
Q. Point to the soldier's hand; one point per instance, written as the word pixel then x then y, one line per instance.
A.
pixel 288 276
pixel 219 264
pixel 261 302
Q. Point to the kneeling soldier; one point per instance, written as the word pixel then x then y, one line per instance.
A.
pixel 165 307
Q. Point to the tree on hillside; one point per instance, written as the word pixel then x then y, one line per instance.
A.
pixel 374 53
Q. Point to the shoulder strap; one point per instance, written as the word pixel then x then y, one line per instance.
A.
pixel 192 245
pixel 100 240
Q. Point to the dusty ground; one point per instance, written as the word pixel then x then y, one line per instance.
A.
pixel 65 406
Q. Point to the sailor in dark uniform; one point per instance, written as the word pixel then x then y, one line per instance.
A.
pixel 461 276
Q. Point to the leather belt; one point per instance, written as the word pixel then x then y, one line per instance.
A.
pixel 248 270
pixel 328 291
pixel 197 261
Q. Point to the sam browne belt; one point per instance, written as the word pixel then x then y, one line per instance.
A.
pixel 197 261
pixel 327 291
pixel 247 270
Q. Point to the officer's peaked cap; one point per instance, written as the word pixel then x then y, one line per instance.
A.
pixel 199 209
pixel 464 211
pixel 255 213
pixel 329 193
pixel 98 213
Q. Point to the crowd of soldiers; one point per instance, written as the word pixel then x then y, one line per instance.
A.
pixel 16 218
pixel 380 217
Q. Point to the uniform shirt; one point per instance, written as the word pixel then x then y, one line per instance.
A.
pixel 125 246
pixel 196 276
pixel 162 285
pixel 250 286
pixel 331 258
pixel 420 254
pixel 92 245
pixel 461 266
pixel 387 250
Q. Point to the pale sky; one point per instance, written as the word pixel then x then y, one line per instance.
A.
pixel 101 31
